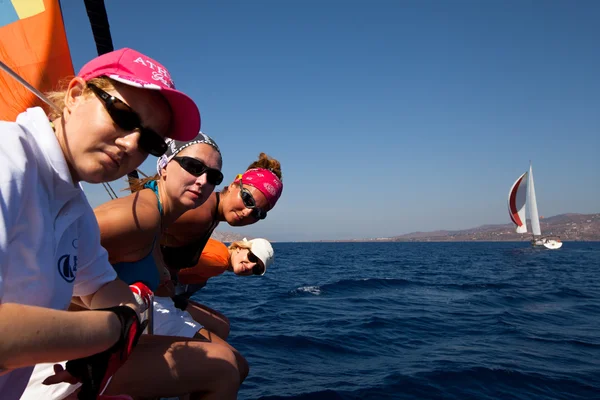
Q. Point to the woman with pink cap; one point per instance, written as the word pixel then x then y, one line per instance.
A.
pixel 104 123
pixel 130 227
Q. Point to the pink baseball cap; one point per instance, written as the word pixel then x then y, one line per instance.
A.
pixel 135 69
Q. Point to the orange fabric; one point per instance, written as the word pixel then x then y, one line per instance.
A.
pixel 213 261
pixel 35 47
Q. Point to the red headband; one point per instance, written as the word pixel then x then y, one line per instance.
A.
pixel 265 181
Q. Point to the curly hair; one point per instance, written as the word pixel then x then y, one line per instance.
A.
pixel 266 162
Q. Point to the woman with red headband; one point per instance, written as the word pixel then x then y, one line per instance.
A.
pixel 246 201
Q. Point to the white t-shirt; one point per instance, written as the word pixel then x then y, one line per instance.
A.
pixel 49 237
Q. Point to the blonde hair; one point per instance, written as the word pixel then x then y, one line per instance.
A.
pixel 240 244
pixel 58 96
pixel 136 184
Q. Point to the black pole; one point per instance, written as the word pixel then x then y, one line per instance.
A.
pixel 96 12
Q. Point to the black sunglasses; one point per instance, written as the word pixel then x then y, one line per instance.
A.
pixel 128 120
pixel 258 269
pixel 249 202
pixel 197 168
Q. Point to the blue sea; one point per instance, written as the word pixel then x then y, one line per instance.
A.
pixel 417 321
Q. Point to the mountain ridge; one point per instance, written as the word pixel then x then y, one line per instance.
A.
pixel 569 226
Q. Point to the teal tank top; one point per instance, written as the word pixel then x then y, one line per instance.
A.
pixel 143 270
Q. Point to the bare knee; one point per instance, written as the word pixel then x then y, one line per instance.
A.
pixel 242 364
pixel 163 366
pixel 222 367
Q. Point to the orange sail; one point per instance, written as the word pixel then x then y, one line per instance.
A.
pixel 33 43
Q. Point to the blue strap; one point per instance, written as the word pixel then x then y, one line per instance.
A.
pixel 154 186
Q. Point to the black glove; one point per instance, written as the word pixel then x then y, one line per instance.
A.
pixel 180 301
pixel 94 371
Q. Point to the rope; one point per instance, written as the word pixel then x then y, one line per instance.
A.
pixel 109 190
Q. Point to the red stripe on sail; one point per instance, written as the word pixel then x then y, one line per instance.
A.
pixel 514 213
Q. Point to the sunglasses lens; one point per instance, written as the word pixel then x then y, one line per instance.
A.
pixel 192 166
pixel 123 116
pixel 197 168
pixel 258 269
pixel 214 177
pixel 152 143
pixel 248 199
pixel 252 258
pixel 128 120
pixel 249 202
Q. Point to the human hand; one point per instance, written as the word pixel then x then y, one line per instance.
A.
pixel 95 371
pixel 61 375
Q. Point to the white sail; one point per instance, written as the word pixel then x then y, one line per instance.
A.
pixel 533 211
pixel 522 201
pixel 517 197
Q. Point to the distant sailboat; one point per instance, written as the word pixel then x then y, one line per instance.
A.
pixel 522 194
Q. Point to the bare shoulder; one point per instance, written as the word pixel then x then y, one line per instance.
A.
pixel 134 214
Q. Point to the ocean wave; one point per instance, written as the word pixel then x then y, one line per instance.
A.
pixel 481 286
pixel 320 345
pixel 417 322
pixel 566 293
pixel 314 290
pixel 343 285
pixel 473 383
pixel 569 342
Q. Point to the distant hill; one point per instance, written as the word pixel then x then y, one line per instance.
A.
pixel 570 227
pixel 228 237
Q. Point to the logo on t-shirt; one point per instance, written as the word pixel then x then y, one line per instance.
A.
pixel 67 267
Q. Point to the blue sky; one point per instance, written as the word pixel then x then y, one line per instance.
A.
pixel 388 116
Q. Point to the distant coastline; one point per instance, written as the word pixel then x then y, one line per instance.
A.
pixel 570 228
pixel 228 237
